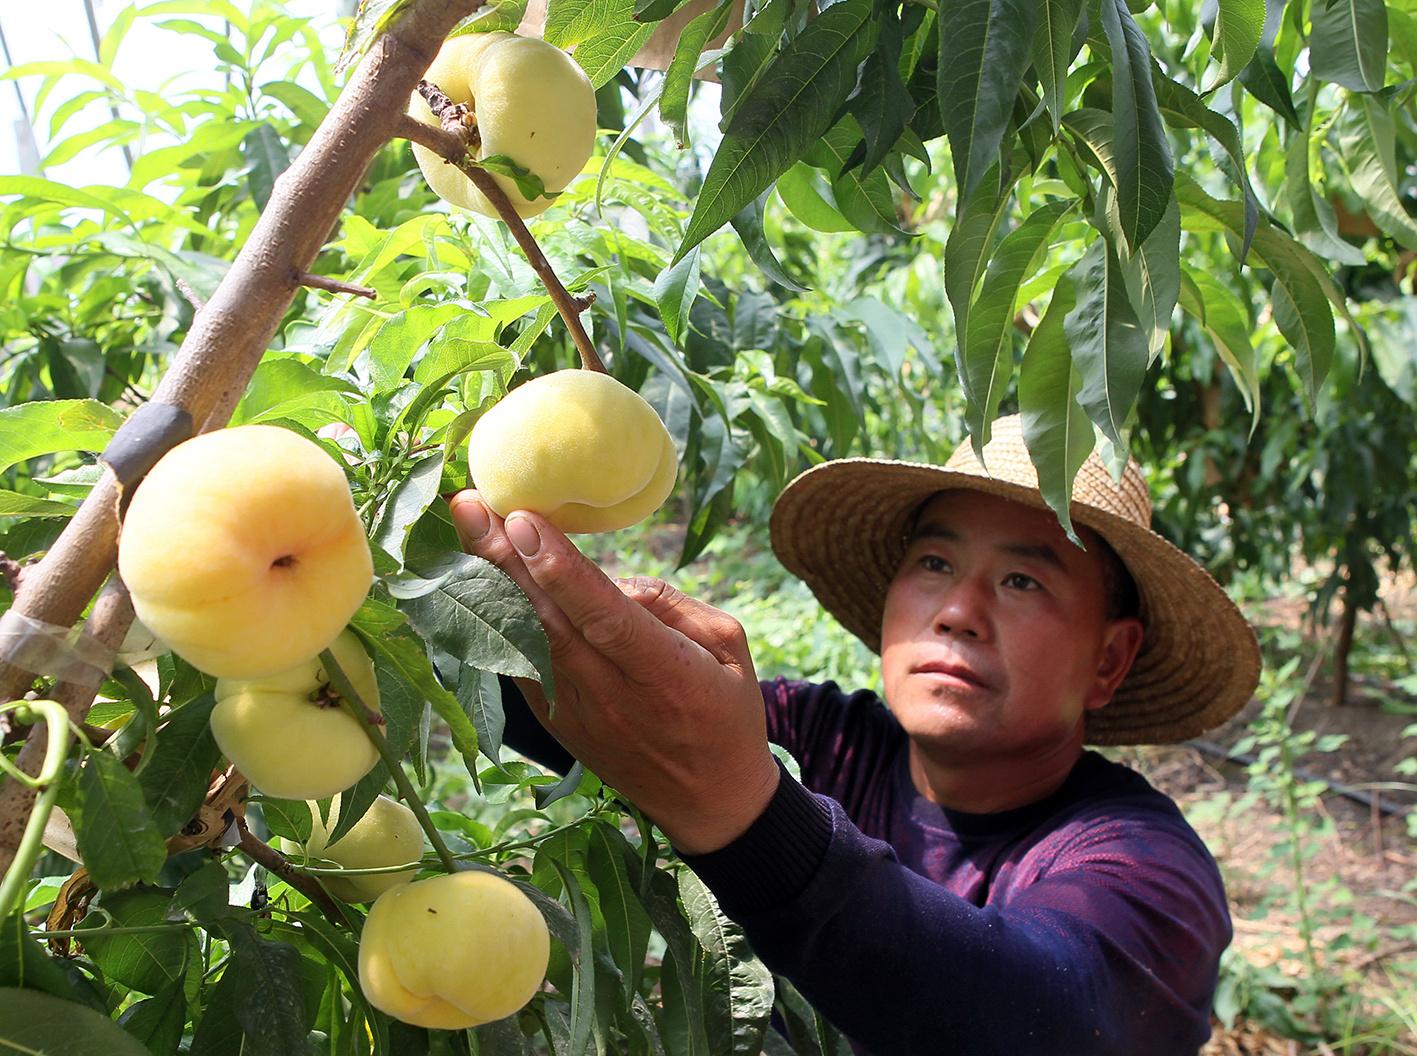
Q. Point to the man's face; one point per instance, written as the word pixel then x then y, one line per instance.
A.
pixel 995 640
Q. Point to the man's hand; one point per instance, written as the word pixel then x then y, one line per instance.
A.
pixel 655 691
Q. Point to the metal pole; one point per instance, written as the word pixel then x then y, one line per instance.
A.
pixel 98 57
pixel 24 129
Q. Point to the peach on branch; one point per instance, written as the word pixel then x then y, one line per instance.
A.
pixel 533 104
pixel 388 834
pixel 243 551
pixel 577 447
pixel 289 733
pixel 453 951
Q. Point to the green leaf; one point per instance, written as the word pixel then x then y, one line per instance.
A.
pixel 1302 291
pixel 1153 278
pixel 1143 155
pixel 478 614
pixel 13 504
pixel 674 293
pixel 1348 45
pixel 970 246
pixel 602 34
pixel 1368 149
pixel 1270 85
pixel 1056 429
pixel 1182 108
pixel 783 114
pixel 23 962
pixel 117 839
pixel 528 182
pixel 34 1023
pixel 1314 221
pixel 398 341
pixel 158 1021
pixel 1108 347
pixel 627 926
pixel 29 430
pixel 1228 323
pixel 884 106
pixel 986 353
pixel 985 46
pixel 1054 51
pixel 408 501
pixel 480 696
pixel 308 108
pixel 148 961
pixel 809 198
pixel 864 197
pixel 177 772
pixel 737 988
pixel 1238 27
pixel 278 382
pixel 679 77
pixel 749 225
pixel 269 997
pixel 582 965
pixel 266 158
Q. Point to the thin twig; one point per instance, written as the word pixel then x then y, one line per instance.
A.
pixel 452 142
pixel 323 282
pixel 12 570
pixel 273 861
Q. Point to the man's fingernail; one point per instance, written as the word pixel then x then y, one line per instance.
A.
pixel 523 535
pixel 471 520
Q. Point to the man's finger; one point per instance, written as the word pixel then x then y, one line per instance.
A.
pixel 719 633
pixel 611 623
pixel 483 533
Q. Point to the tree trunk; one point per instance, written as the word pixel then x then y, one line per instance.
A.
pixel 1342 646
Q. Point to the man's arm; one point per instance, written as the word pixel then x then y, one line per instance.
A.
pixel 1114 950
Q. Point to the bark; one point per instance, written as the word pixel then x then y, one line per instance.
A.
pixel 231 333
pixel 1347 624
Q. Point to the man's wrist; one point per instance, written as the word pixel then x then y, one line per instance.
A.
pixel 772 862
pixel 735 807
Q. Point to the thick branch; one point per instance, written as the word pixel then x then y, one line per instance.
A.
pixel 452 142
pixel 234 328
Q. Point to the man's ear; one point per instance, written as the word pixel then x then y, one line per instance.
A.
pixel 1121 641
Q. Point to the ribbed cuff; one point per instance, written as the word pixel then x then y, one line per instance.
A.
pixel 772 862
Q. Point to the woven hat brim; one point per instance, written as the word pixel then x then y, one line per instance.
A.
pixel 841 526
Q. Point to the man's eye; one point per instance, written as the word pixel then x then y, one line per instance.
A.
pixel 1018 581
pixel 934 563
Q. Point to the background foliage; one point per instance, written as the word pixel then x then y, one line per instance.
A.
pixel 1182 232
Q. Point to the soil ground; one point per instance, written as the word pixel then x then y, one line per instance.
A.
pixel 1367 853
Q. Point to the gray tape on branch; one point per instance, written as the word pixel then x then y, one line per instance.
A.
pixel 67 654
pixel 149 433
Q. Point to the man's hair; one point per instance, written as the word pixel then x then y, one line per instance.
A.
pixel 1118 586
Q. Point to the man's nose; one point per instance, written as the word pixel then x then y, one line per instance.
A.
pixel 964 610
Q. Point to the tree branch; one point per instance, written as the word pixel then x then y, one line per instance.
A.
pixel 273 861
pixel 452 142
pixel 324 282
pixel 232 331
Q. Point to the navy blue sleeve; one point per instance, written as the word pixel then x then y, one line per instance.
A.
pixel 1103 954
pixel 523 731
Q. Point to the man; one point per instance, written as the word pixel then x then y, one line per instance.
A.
pixel 956 873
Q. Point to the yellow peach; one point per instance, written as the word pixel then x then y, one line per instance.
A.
pixel 289 734
pixel 453 951
pixel 577 447
pixel 533 105
pixel 243 551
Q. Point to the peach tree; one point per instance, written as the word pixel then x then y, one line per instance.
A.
pixel 899 220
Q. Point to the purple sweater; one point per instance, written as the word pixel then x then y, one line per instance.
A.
pixel 1089 922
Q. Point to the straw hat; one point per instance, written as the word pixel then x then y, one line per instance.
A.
pixel 841 528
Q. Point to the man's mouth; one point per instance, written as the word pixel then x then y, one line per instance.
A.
pixel 950 672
